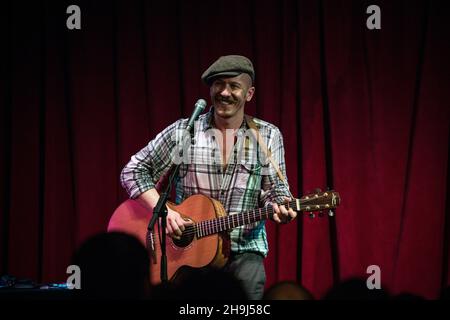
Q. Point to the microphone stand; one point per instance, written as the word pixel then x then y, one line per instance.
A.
pixel 160 211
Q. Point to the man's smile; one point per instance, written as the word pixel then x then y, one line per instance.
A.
pixel 224 101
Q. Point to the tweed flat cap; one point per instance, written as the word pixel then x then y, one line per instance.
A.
pixel 228 66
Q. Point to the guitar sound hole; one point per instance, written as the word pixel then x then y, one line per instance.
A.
pixel 186 238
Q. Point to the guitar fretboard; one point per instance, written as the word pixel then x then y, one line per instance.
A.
pixel 209 227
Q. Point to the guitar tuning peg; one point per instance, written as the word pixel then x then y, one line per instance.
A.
pixel 312 215
pixel 331 213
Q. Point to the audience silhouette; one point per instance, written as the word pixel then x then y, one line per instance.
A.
pixel 445 293
pixel 116 265
pixel 355 289
pixel 287 290
pixel 113 266
pixel 203 284
pixel 406 296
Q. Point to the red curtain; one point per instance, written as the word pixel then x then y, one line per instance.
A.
pixel 362 111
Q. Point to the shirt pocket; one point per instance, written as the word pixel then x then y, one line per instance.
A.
pixel 248 177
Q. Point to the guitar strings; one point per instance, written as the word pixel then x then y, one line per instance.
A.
pixel 207 226
pixel 216 223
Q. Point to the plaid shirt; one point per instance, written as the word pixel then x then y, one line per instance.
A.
pixel 248 181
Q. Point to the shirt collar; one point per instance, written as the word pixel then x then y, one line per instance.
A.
pixel 209 119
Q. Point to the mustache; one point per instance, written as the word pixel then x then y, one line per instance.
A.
pixel 222 99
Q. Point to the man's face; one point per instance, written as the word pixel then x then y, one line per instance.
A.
pixel 228 95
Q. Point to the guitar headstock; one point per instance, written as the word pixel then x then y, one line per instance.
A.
pixel 319 201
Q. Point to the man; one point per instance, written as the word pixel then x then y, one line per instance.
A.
pixel 226 168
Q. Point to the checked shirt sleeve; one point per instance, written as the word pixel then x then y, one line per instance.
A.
pixel 274 190
pixel 147 166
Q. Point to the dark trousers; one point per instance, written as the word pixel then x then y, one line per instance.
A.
pixel 248 268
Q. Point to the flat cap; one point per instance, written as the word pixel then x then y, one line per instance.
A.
pixel 228 66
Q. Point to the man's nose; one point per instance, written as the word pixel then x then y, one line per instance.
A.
pixel 225 91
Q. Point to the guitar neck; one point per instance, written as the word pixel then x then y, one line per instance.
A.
pixel 209 227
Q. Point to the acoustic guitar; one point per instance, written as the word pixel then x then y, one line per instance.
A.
pixel 206 242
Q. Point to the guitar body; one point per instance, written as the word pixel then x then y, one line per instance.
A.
pixel 207 241
pixel 188 252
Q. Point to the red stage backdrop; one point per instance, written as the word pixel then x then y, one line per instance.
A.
pixel 363 111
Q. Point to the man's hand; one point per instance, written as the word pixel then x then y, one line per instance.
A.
pixel 281 214
pixel 175 224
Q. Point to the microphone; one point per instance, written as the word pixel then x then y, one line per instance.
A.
pixel 199 107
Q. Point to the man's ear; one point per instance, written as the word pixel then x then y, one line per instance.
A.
pixel 250 93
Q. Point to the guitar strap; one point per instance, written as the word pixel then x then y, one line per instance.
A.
pixel 251 123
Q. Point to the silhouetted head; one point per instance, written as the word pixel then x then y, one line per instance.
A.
pixel 287 290
pixel 355 289
pixel 406 296
pixel 208 284
pixel 113 265
pixel 445 294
